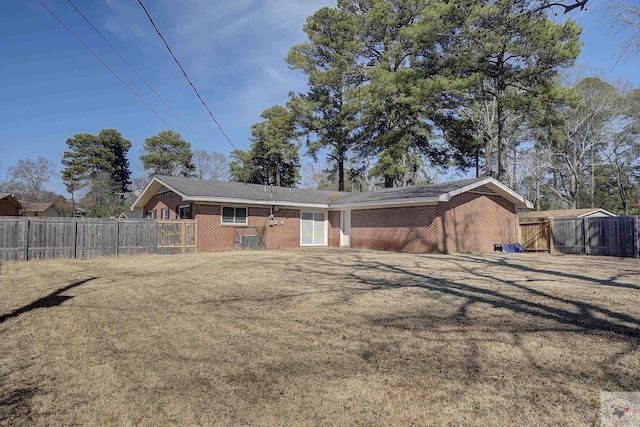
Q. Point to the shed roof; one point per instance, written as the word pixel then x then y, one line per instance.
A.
pixel 36 206
pixel 567 213
pixel 238 192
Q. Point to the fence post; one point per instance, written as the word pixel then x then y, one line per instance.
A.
pixel 584 237
pixel 551 242
pixel 183 237
pixel 117 235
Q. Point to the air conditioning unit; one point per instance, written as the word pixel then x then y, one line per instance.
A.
pixel 249 241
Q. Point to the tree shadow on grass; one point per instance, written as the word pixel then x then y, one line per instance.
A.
pixel 51 300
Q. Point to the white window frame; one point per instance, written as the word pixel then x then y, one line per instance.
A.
pixel 246 217
pixel 185 206
pixel 326 228
pixel 165 213
pixel 152 214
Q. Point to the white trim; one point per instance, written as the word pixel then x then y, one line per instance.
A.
pixel 598 210
pixel 395 203
pixel 326 228
pixel 233 201
pixel 162 211
pixel 246 218
pixel 345 239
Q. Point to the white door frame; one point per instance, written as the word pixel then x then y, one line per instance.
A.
pixel 345 228
pixel 326 226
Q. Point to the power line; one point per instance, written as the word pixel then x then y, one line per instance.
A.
pixel 136 71
pixel 107 67
pixel 185 75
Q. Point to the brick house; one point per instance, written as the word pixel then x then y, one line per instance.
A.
pixel 468 215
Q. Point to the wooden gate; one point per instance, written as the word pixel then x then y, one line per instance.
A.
pixel 177 237
pixel 535 235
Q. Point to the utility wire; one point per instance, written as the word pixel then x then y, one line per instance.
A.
pixel 185 74
pixel 106 66
pixel 137 73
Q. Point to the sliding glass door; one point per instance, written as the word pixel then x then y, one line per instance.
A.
pixel 313 229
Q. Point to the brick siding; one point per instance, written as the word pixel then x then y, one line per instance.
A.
pixel 468 222
pixel 215 236
pixel 407 229
pixel 334 229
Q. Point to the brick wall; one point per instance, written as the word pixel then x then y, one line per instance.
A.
pixel 408 229
pixel 334 229
pixel 165 200
pixel 214 236
pixel 468 222
pixel 473 223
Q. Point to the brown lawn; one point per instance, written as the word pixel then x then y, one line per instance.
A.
pixel 317 337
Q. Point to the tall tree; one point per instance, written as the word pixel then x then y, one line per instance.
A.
pixel 273 157
pixel 402 50
pixel 514 52
pixel 29 177
pixel 327 113
pixel 167 154
pixel 90 155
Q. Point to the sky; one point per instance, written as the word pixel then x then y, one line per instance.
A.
pixel 233 51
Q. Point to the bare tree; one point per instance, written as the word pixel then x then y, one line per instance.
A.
pixel 625 15
pixel 29 176
pixel 211 165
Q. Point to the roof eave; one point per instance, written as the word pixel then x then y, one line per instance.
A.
pixel 500 188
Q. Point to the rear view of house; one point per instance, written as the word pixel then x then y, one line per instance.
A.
pixel 469 215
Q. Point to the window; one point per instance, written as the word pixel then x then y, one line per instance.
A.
pixel 151 214
pixel 313 229
pixel 165 213
pixel 184 212
pixel 234 215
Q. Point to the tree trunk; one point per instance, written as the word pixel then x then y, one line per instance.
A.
pixel 388 181
pixel 502 144
pixel 514 169
pixel 592 177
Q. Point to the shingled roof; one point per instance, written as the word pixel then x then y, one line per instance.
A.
pixel 238 192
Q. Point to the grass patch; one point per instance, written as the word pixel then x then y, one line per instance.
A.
pixel 316 337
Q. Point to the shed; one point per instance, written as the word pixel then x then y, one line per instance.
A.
pixel 10 205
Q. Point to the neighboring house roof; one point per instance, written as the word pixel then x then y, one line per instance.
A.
pixel 36 206
pixel 131 215
pixel 11 199
pixel 238 192
pixel 572 213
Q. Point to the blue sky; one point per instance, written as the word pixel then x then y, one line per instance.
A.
pixel 52 88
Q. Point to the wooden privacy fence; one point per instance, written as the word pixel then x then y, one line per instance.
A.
pixel 24 239
pixel 608 236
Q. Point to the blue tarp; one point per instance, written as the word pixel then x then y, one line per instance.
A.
pixel 508 247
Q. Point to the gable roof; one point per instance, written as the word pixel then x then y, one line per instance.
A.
pixel 36 206
pixel 559 213
pixel 11 199
pixel 238 192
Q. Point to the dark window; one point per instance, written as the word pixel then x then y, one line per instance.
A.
pixel 234 215
pixel 184 212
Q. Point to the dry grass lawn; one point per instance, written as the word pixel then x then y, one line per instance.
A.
pixel 317 337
